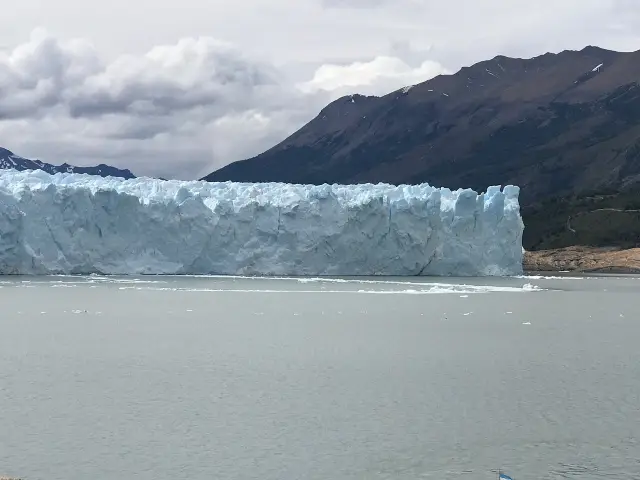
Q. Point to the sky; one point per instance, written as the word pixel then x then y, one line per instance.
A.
pixel 179 88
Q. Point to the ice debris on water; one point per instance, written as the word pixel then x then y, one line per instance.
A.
pixel 82 224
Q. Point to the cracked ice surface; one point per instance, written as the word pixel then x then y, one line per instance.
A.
pixel 72 223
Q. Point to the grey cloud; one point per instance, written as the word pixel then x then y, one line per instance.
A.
pixel 157 98
pixel 353 3
pixel 196 72
pixel 128 127
pixel 221 78
pixel 182 109
pixel 35 75
pixel 180 90
pixel 412 55
pixel 176 111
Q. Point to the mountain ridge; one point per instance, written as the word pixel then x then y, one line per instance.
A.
pixel 9 160
pixel 555 124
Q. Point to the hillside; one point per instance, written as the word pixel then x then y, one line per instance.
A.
pixel 554 124
pixel 9 160
pixel 604 218
pixel 558 125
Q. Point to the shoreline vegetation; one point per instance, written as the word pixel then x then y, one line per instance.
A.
pixel 584 259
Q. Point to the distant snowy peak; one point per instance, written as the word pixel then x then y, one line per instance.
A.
pixel 9 160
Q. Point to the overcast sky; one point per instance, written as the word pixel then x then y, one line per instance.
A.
pixel 178 88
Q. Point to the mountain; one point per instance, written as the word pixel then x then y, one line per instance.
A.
pixel 9 159
pixel 557 124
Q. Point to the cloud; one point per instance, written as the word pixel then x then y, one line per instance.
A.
pixel 353 3
pixel 194 73
pixel 462 32
pixel 34 75
pixel 177 110
pixel 376 77
pixel 171 99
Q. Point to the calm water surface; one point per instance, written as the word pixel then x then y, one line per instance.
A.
pixel 210 378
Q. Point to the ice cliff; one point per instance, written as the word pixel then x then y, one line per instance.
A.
pixel 72 223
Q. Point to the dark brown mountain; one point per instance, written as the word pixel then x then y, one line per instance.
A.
pixel 557 124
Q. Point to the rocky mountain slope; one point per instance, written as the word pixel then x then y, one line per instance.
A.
pixel 557 124
pixel 584 260
pixel 9 160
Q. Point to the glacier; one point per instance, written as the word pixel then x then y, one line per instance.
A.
pixel 81 224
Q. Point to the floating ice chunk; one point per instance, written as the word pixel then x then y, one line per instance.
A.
pixel 82 224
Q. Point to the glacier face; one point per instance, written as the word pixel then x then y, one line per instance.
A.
pixel 80 224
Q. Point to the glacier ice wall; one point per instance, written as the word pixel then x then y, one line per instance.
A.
pixel 71 223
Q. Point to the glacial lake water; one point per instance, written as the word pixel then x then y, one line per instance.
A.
pixel 200 378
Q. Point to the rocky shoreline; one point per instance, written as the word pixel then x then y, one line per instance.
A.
pixel 584 259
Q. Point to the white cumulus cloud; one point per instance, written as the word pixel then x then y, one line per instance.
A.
pixel 177 110
pixel 376 77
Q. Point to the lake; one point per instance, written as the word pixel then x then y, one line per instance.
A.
pixel 195 378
